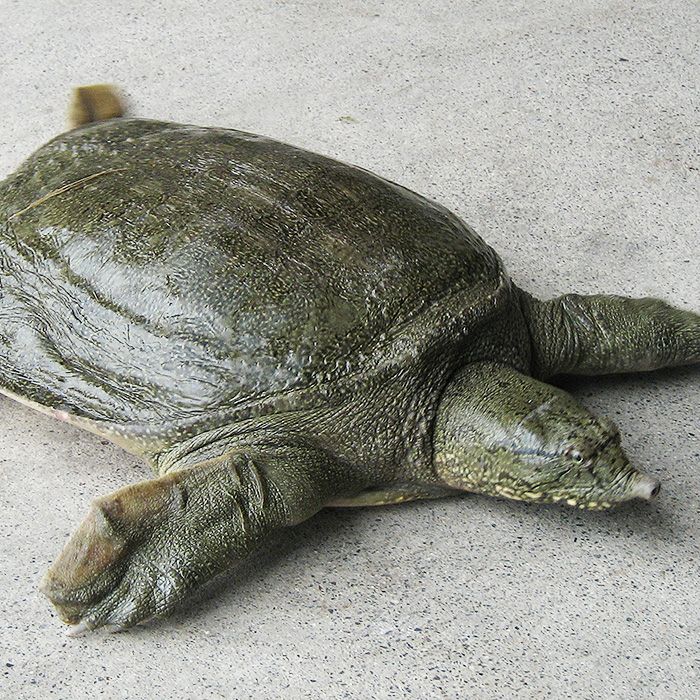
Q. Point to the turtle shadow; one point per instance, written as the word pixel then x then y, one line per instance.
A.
pixel 648 523
pixel 667 375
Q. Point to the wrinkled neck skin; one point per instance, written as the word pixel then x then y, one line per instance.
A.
pixel 503 433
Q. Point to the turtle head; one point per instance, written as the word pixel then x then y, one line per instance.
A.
pixel 502 433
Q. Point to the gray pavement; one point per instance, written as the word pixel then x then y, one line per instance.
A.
pixel 567 134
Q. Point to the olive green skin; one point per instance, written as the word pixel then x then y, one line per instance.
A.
pixel 208 277
pixel 275 332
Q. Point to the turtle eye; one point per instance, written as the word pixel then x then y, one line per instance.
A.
pixel 574 454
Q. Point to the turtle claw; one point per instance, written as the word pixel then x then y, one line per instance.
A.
pixel 79 630
pixel 129 600
pixel 85 626
pixel 127 561
pixel 115 597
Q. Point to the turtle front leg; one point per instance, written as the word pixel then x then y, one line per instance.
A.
pixel 603 334
pixel 142 549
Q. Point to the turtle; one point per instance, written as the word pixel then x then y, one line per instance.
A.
pixel 276 332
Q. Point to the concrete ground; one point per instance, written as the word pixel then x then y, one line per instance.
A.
pixel 566 133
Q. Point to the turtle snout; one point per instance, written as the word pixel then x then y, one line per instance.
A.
pixel 645 487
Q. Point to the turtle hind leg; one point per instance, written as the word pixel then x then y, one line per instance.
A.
pixel 142 549
pixel 94 103
pixel 604 334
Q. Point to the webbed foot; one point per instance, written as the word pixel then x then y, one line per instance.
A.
pixel 142 549
pixel 123 564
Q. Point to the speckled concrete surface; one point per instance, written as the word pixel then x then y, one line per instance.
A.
pixel 566 132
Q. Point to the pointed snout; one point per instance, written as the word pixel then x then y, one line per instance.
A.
pixel 645 487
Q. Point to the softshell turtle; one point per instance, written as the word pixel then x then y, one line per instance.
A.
pixel 276 332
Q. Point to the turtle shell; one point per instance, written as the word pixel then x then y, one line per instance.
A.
pixel 152 273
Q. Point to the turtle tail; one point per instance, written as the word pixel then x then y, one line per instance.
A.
pixel 93 103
